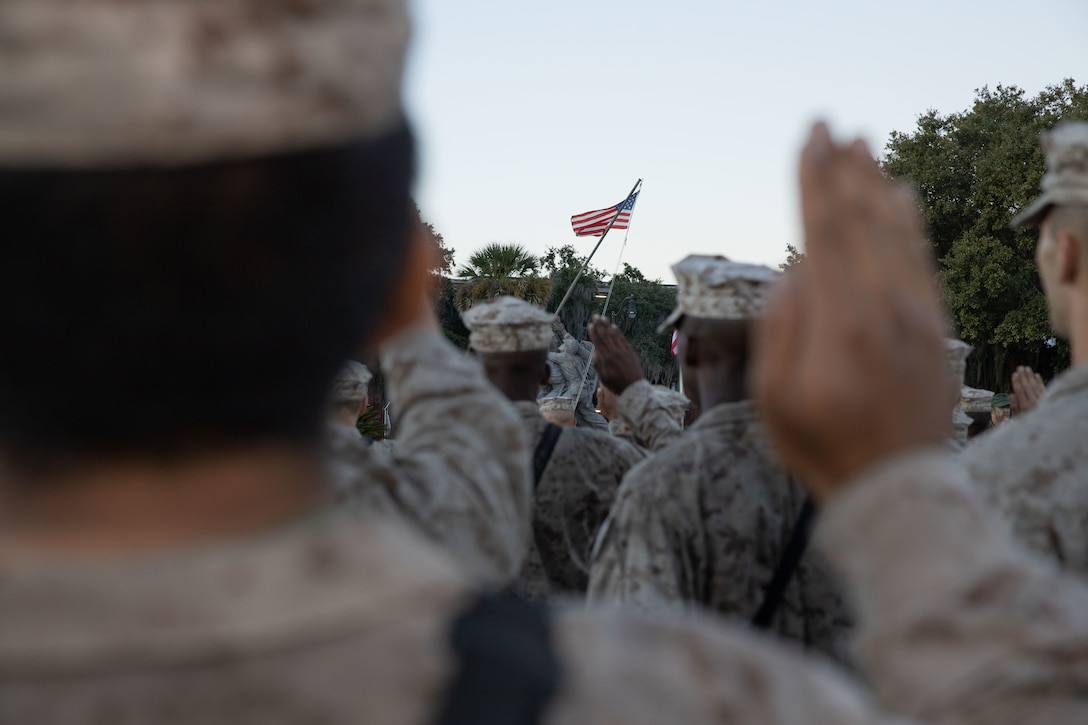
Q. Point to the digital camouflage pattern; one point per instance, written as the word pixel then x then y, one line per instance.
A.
pixel 508 324
pixel 705 522
pixel 1033 470
pixel 332 620
pixel 620 429
pixel 716 288
pixel 459 469
pixel 956 624
pixel 571 502
pixel 194 80
pixel 651 421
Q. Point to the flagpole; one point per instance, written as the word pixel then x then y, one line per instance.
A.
pixel 570 290
pixel 604 310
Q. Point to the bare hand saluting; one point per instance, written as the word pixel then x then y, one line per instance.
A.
pixel 615 360
pixel 1027 388
pixel 849 349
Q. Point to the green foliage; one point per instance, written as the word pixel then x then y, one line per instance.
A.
pixel 973 170
pixel 449 316
pixel 652 302
pixel 445 255
pixel 793 256
pixel 502 269
pixel 371 423
pixel 445 266
pixel 562 265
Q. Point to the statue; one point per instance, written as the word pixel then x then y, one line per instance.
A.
pixel 572 375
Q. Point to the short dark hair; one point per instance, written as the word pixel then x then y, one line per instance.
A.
pixel 150 312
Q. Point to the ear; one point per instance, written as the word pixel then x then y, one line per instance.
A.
pixel 1070 258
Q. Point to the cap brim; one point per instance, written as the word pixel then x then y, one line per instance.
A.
pixel 1033 214
pixel 670 321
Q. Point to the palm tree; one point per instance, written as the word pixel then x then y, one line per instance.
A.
pixel 502 269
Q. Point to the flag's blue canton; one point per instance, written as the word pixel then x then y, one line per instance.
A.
pixel 629 204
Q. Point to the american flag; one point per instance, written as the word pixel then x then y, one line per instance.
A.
pixel 594 223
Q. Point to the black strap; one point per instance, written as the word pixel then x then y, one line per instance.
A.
pixel 507 670
pixel 543 452
pixel 791 557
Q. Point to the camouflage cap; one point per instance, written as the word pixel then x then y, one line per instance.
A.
pixel 101 83
pixel 715 288
pixel 507 324
pixel 1066 178
pixel 351 383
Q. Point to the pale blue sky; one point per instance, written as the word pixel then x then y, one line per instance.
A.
pixel 528 113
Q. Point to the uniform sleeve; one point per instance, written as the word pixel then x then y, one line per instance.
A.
pixel 957 625
pixel 634 668
pixel 459 468
pixel 651 423
pixel 639 558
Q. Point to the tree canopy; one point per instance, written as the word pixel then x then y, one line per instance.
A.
pixel 973 171
pixel 650 300
pixel 502 269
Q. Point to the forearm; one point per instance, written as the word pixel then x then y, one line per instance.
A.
pixel 956 624
pixel 460 455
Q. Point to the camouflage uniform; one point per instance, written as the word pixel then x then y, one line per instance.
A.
pixel 459 470
pixel 1033 467
pixel 329 620
pixel 650 420
pixel 705 521
pixel 579 483
pixel 572 500
pixel 620 429
pixel 955 623
pixel 1033 470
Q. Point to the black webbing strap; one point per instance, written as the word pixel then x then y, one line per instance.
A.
pixel 543 452
pixel 507 670
pixel 791 557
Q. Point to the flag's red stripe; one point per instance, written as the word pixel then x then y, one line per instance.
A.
pixel 595 223
pixel 621 223
pixel 592 216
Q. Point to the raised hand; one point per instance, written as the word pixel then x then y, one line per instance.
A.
pixel 1027 388
pixel 849 353
pixel 615 360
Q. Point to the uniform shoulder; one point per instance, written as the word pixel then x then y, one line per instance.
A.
pixel 646 668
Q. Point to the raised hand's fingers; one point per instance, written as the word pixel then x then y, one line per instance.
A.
pixel 819 214
pixel 778 341
pixel 866 217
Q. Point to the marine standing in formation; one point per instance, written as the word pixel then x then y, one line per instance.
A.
pixel 1033 470
pixel 576 471
pixel 171 553
pixel 709 519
